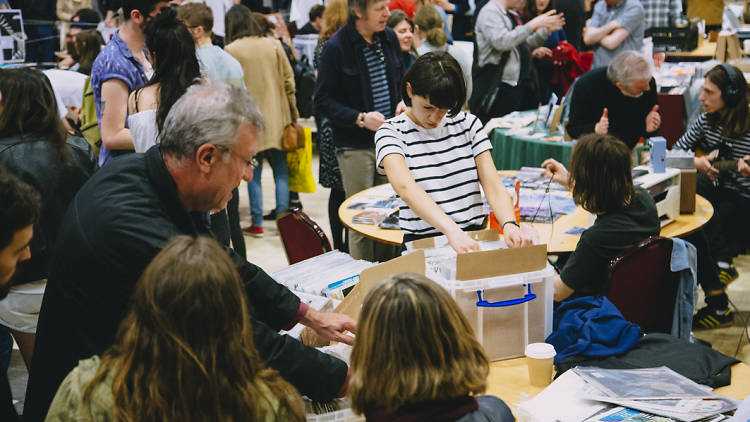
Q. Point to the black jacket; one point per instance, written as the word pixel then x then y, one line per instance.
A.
pixel 342 89
pixel 115 225
pixel 35 161
pixel 593 92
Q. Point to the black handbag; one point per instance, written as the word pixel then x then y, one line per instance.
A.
pixel 486 81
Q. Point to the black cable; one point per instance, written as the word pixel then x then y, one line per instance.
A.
pixel 546 192
pixel 744 330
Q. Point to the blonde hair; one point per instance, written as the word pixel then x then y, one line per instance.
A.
pixel 334 16
pixel 389 370
pixel 429 21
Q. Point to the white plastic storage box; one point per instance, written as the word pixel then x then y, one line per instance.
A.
pixel 506 312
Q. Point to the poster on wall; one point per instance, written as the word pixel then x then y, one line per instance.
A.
pixel 12 37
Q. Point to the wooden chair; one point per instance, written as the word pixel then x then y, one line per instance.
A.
pixel 642 285
pixel 302 238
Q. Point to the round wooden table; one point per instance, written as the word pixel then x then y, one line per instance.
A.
pixel 553 234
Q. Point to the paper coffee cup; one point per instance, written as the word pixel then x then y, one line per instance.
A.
pixel 539 358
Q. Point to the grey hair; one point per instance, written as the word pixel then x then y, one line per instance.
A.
pixel 627 67
pixel 207 112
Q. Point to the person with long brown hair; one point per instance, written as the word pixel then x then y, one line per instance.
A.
pixel 270 79
pixel 602 184
pixel 436 377
pixel 35 147
pixel 184 351
pixel 724 126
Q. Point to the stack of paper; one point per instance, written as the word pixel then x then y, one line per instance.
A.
pixel 331 274
pixel 633 395
pixel 660 391
pixel 370 216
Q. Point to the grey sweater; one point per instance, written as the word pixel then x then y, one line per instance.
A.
pixel 495 34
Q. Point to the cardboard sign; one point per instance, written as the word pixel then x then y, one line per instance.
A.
pixel 489 235
pixel 485 264
pixel 728 47
pixel 412 263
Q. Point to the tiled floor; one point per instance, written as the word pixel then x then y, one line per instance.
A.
pixel 268 253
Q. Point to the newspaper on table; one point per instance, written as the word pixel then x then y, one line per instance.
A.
pixel 659 391
pixel 574 397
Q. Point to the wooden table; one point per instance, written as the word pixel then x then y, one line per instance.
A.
pixel 552 234
pixel 705 51
pixel 508 379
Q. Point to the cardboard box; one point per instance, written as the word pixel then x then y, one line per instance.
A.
pixel 688 179
pixel 516 289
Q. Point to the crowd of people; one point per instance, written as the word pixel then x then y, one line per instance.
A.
pixel 124 276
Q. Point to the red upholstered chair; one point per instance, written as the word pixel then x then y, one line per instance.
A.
pixel 642 286
pixel 302 238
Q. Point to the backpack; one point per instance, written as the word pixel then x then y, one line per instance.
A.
pixel 89 124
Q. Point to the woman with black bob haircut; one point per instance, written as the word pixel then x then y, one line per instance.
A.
pixel 183 352
pixel 601 182
pixel 175 69
pixel 437 148
pixel 36 148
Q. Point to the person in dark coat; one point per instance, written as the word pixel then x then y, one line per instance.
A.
pixel 125 214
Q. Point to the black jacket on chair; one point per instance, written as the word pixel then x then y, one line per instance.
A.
pixel 37 162
pixel 117 223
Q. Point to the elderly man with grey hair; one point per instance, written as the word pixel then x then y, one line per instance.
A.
pixel 619 99
pixel 122 217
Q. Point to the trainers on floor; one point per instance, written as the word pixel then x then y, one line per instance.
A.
pixel 254 231
pixel 271 216
pixel 708 318
pixel 728 275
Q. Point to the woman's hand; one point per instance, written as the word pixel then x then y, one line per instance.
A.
pixel 705 165
pixel 541 52
pixel 743 167
pixel 461 242
pixel 514 238
pixel 555 170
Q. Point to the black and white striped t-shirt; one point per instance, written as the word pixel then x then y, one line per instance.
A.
pixel 701 134
pixel 375 60
pixel 441 160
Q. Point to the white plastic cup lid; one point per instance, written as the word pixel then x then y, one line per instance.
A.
pixel 540 351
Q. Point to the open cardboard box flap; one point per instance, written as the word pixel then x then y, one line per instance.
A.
pixel 412 263
pixel 489 235
pixel 485 264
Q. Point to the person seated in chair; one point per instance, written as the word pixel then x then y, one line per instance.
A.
pixel 724 180
pixel 602 184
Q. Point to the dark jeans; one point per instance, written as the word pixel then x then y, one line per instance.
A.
pixel 729 228
pixel 338 231
pixel 40 46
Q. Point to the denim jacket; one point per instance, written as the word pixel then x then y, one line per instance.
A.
pixel 342 89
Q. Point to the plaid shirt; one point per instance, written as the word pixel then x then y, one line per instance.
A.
pixel 661 13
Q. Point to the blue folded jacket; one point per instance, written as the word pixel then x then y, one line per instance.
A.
pixel 591 326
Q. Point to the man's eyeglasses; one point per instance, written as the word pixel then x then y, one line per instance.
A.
pixel 253 162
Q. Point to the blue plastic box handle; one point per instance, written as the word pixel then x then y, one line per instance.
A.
pixel 510 302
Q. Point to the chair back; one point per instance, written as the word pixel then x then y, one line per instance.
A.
pixel 302 238
pixel 642 285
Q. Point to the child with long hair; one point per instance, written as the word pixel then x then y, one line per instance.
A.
pixel 175 69
pixel 184 351
pixel 436 158
pixel 436 377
